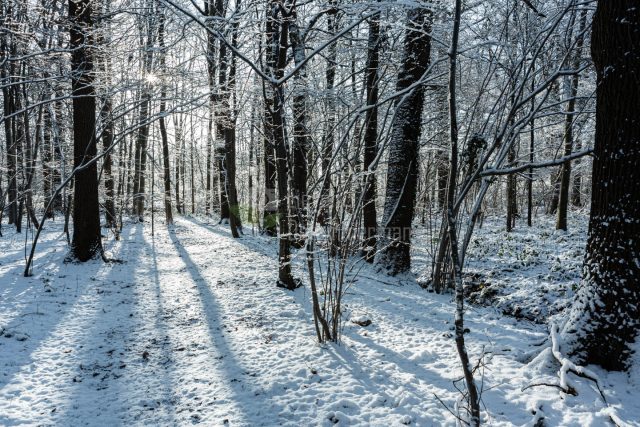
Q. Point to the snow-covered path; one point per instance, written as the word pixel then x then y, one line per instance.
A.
pixel 191 329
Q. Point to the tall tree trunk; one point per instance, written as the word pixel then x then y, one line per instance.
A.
pixel 86 242
pixel 229 121
pixel 576 187
pixel 107 122
pixel 472 391
pixel 330 120
pixel 177 124
pixel 605 319
pixel 107 142
pixel 300 136
pixel 140 174
pixel 369 215
pixel 276 42
pixel 403 147
pixel 7 71
pixel 212 9
pixel 565 169
pixel 168 211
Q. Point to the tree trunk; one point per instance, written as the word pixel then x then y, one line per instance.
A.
pixel 168 211
pixel 300 136
pixel 277 35
pixel 369 216
pixel 565 169
pixel 139 182
pixel 403 147
pixel 604 319
pixel 330 120
pixel 177 124
pixel 86 242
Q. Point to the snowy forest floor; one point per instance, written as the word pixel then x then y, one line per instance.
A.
pixel 191 328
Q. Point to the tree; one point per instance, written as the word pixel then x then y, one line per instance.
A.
pixel 300 144
pixel 139 179
pixel 86 242
pixel 403 147
pixel 166 168
pixel 277 35
pixel 107 127
pixel 605 318
pixel 565 169
pixel 369 217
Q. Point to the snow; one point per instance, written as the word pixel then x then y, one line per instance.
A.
pixel 191 329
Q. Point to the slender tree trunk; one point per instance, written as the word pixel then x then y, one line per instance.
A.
pixel 472 397
pixel 230 189
pixel 576 187
pixel 330 119
pixel 300 136
pixel 276 39
pixel 177 124
pixel 369 194
pixel 565 169
pixel 168 211
pixel 531 153
pixel 140 174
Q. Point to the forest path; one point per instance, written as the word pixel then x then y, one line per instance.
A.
pixel 191 329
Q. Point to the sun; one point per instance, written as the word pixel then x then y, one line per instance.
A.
pixel 151 78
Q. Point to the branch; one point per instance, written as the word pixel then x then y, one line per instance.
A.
pixel 539 165
pixel 532 7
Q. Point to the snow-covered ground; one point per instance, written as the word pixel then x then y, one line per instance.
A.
pixel 190 328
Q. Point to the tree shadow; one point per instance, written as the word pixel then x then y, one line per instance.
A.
pixel 234 373
pixel 62 309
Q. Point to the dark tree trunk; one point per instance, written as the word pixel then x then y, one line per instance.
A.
pixel 565 169
pixel 140 174
pixel 277 35
pixel 403 147
pixel 576 186
pixel 300 136
pixel 107 142
pixel 512 192
pixel 235 222
pixel 330 120
pixel 369 216
pixel 47 159
pixel 604 319
pixel 7 48
pixel 168 211
pixel 86 242
pixel 269 220
pixel 212 9
pixel 107 127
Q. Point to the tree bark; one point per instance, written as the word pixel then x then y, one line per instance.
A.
pixel 300 145
pixel 86 242
pixel 369 215
pixel 277 35
pixel 168 211
pixel 402 173
pixel 565 169
pixel 604 319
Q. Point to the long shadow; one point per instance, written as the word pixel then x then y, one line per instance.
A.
pixel 21 335
pixel 113 370
pixel 72 297
pixel 97 377
pixel 234 371
pixel 255 243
